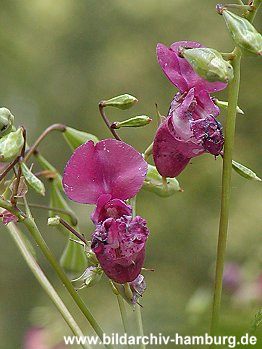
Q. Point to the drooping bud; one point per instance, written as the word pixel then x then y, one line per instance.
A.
pixel 91 276
pixel 243 33
pixel 137 121
pixel 224 105
pixel 75 138
pixel 11 145
pixel 6 121
pixel 154 183
pixel 245 171
pixel 32 180
pixel 208 63
pixel 123 102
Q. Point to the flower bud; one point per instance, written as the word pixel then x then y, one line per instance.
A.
pixel 136 121
pixel 32 180
pixel 154 183
pixel 11 145
pixel 243 32
pixel 75 138
pixel 6 121
pixel 123 102
pixel 90 277
pixel 245 171
pixel 53 221
pixel 224 105
pixel 208 63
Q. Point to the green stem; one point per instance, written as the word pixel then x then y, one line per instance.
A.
pixel 31 226
pixel 233 90
pixel 139 324
pixel 42 279
pixel 123 312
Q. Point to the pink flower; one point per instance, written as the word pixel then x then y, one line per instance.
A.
pixel 190 128
pixel 119 245
pixel 8 217
pixel 106 174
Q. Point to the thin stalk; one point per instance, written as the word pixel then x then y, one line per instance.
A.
pixel 123 312
pixel 54 127
pixel 9 168
pixel 139 324
pixel 43 281
pixel 72 230
pixel 107 122
pixel 31 226
pixel 233 90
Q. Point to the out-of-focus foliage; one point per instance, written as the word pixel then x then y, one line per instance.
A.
pixel 58 60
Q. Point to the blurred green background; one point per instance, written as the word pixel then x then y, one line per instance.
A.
pixel 57 60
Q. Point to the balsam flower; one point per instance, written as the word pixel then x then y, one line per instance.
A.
pixel 107 174
pixel 190 128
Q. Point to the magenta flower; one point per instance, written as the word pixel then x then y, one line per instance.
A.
pixel 106 174
pixel 119 245
pixel 190 128
pixel 8 217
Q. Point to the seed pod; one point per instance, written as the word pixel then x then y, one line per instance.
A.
pixel 137 121
pixel 154 183
pixel 245 171
pixel 6 121
pixel 32 180
pixel 209 64
pixel 73 258
pixel 11 145
pixel 123 102
pixel 75 138
pixel 243 33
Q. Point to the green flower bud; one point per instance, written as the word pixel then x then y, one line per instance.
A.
pixel 75 138
pixel 53 221
pixel 32 180
pixel 90 277
pixel 121 102
pixel 243 33
pixel 11 145
pixel 208 63
pixel 154 183
pixel 6 121
pixel 224 105
pixel 245 171
pixel 136 121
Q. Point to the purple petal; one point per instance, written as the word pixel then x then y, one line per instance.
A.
pixel 8 217
pixel 107 208
pixel 205 100
pixel 109 167
pixel 168 61
pixel 193 79
pixel 169 161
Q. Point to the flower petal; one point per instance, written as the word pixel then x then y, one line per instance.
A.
pixel 168 60
pixel 109 167
pixel 187 72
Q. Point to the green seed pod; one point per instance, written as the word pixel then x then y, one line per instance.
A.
pixel 6 121
pixel 90 277
pixel 245 171
pixel 137 121
pixel 73 259
pixel 154 183
pixel 123 102
pixel 11 145
pixel 32 180
pixel 209 64
pixel 243 33
pixel 75 138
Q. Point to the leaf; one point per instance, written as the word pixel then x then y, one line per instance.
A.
pixel 32 180
pixel 245 171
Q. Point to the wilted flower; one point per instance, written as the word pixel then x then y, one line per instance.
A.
pixel 8 217
pixel 106 174
pixel 119 245
pixel 138 287
pixel 190 128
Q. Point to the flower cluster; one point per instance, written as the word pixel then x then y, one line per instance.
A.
pixel 190 128
pixel 107 174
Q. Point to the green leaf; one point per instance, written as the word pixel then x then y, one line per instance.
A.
pixel 245 171
pixel 32 180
